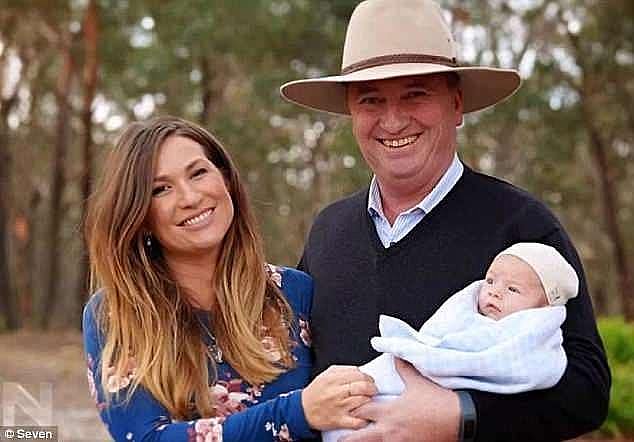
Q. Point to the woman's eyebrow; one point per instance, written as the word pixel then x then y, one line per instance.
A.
pixel 189 166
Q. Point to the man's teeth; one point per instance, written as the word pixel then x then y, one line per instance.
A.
pixel 198 218
pixel 400 142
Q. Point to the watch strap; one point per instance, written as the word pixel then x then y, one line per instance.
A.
pixel 468 417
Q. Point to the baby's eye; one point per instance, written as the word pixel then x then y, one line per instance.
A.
pixel 489 280
pixel 514 289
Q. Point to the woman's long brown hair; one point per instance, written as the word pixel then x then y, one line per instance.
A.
pixel 145 317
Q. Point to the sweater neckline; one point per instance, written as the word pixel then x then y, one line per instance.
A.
pixel 416 231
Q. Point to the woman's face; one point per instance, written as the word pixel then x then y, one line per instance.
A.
pixel 191 208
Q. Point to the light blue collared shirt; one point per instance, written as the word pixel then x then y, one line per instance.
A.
pixel 408 219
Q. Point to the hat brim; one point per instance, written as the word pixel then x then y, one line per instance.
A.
pixel 481 87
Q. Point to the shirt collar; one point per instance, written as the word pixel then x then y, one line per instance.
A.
pixel 440 190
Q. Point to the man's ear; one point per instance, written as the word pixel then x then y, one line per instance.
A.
pixel 458 107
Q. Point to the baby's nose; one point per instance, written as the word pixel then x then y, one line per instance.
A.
pixel 495 293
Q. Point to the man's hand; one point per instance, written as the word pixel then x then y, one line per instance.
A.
pixel 424 412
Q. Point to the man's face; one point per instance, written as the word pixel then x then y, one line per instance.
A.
pixel 406 127
pixel 510 285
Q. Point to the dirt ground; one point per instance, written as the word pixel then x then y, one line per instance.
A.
pixel 56 359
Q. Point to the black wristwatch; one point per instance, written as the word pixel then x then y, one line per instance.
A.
pixel 468 417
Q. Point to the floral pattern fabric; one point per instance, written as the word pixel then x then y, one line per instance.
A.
pixel 244 412
pixel 206 430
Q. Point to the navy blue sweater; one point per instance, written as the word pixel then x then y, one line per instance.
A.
pixel 356 279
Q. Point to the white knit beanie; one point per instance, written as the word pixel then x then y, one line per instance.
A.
pixel 558 278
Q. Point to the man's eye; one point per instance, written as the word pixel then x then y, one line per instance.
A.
pixel 159 190
pixel 416 94
pixel 369 100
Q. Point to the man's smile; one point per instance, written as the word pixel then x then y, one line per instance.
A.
pixel 396 143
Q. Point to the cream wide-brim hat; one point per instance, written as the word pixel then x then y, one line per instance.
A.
pixel 397 38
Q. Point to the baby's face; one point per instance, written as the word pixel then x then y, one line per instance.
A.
pixel 510 285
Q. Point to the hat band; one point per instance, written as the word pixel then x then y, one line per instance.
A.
pixel 398 58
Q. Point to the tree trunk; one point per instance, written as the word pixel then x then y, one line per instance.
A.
pixel 57 182
pixel 608 189
pixel 89 80
pixel 8 304
pixel 25 234
pixel 207 90
pixel 609 203
pixel 8 301
pixel 21 246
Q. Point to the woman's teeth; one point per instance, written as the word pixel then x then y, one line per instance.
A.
pixel 198 218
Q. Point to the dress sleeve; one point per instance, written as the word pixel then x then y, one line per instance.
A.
pixel 278 419
pixel 579 401
pixel 143 418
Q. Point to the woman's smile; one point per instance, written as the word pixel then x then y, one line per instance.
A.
pixel 200 220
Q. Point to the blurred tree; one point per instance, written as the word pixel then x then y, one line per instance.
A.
pixel 8 100
pixel 221 63
pixel 90 30
pixel 64 42
pixel 595 46
pixel 567 127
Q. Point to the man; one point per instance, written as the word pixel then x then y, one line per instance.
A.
pixel 428 225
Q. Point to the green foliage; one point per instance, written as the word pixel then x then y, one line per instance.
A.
pixel 618 337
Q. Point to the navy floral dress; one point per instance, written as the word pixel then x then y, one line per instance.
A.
pixel 270 412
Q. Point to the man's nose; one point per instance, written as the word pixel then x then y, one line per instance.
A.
pixel 394 119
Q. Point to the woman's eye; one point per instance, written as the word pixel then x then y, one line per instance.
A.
pixel 200 172
pixel 158 190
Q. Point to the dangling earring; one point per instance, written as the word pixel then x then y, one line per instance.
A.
pixel 151 245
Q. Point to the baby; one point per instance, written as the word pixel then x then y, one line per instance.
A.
pixel 526 275
pixel 501 334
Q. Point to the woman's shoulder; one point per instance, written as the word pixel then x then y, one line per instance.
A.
pixel 295 284
pixel 92 305
pixel 93 336
pixel 283 276
pixel 92 310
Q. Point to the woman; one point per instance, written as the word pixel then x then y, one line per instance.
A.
pixel 191 335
